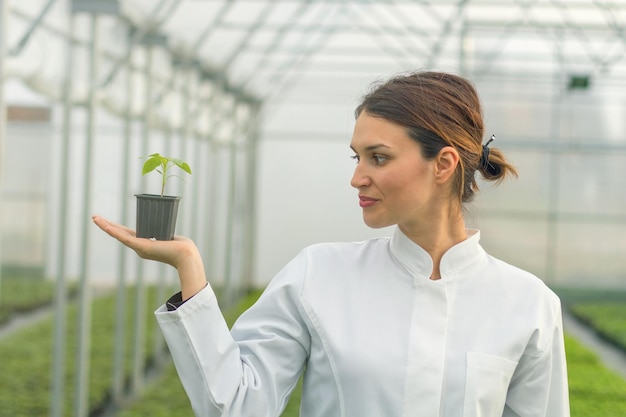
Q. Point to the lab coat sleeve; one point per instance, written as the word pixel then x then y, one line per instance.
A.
pixel 250 370
pixel 539 385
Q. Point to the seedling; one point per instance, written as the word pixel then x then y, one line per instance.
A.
pixel 162 164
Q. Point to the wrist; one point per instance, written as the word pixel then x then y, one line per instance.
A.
pixel 190 272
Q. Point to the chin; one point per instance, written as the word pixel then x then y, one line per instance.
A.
pixel 376 223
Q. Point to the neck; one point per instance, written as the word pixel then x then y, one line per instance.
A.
pixel 436 236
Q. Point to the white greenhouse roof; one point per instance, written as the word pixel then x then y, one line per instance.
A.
pixel 264 49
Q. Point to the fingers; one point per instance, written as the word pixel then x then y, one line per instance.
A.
pixel 119 232
pixel 122 233
pixel 109 226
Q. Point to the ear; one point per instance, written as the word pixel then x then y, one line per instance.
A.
pixel 446 162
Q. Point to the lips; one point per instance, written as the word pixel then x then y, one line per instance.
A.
pixel 365 202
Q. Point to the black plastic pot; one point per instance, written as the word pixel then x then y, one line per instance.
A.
pixel 156 216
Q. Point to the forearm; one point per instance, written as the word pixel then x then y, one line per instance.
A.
pixel 191 273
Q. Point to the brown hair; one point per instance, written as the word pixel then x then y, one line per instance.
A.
pixel 438 110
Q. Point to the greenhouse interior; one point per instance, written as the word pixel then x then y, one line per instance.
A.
pixel 252 95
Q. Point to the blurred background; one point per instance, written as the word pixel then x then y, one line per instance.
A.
pixel 258 96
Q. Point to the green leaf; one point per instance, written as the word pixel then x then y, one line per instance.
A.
pixel 157 160
pixel 151 164
pixel 181 164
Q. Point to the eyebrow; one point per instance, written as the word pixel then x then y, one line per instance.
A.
pixel 371 148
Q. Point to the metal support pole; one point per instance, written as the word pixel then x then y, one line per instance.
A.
pixel 163 270
pixel 205 103
pixel 4 11
pixel 554 185
pixel 196 138
pixel 120 300
pixel 60 302
pixel 81 398
pixel 212 185
pixel 252 145
pixel 230 287
pixel 197 161
pixel 158 340
pixel 211 211
pixel 186 139
pixel 140 296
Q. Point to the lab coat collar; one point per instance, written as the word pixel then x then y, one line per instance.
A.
pixel 457 260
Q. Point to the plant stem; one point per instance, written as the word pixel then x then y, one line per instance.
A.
pixel 164 178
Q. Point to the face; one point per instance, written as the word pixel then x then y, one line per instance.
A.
pixel 396 184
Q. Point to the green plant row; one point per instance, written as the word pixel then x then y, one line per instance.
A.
pixel 594 390
pixel 608 319
pixel 19 295
pixel 27 358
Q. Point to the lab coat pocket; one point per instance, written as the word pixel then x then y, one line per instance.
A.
pixel 486 384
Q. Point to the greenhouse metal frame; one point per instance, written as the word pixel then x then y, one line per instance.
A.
pixel 201 78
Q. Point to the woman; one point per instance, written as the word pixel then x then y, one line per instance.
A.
pixel 424 323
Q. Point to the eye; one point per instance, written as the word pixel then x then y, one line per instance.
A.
pixel 356 157
pixel 379 159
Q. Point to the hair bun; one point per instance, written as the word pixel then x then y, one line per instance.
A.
pixel 493 170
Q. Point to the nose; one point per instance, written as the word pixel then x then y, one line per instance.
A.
pixel 360 178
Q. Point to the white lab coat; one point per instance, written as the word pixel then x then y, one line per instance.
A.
pixel 375 337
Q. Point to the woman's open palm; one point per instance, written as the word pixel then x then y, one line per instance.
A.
pixel 172 252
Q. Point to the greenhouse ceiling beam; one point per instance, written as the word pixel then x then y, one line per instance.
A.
pixel 348 28
pixel 408 23
pixel 521 24
pixel 407 32
pixel 557 30
pixel 577 5
pixel 595 57
pixel 373 66
pixel 122 60
pixel 601 62
pixel 277 80
pixel 390 35
pixel 270 49
pixel 343 51
pixel 111 7
pixel 217 21
pixel 252 30
pixel 505 32
pixel 613 22
pixel 409 29
pixel 17 49
pixel 581 4
pixel 368 54
pixel 137 34
pixel 446 31
pixel 490 25
pixel 315 81
pixel 207 71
